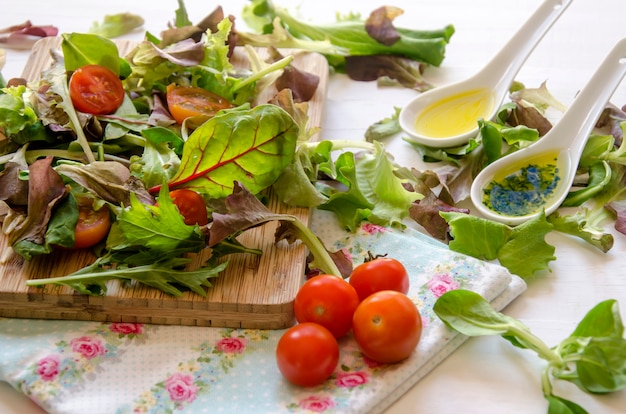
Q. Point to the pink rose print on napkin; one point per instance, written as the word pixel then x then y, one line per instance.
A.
pixel 126 328
pixel 181 387
pixel 87 346
pixel 48 367
pixel 316 403
pixel 351 379
pixel 441 283
pixel 370 228
pixel 231 345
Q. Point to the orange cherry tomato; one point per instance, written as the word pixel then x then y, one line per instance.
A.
pixel 307 354
pixel 192 102
pixel 381 273
pixel 329 301
pixel 96 90
pixel 93 225
pixel 387 326
pixel 191 206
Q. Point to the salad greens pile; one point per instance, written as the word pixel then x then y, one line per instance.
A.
pixel 593 357
pixel 129 161
pixel 597 196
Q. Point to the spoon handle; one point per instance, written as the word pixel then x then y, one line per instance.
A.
pixel 580 118
pixel 509 60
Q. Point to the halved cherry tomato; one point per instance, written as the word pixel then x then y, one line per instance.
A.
pixel 307 354
pixel 93 225
pixel 329 301
pixel 381 273
pixel 191 206
pixel 96 90
pixel 387 326
pixel 192 102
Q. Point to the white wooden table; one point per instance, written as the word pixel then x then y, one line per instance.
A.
pixel 486 375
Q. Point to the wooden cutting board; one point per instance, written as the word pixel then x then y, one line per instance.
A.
pixel 253 292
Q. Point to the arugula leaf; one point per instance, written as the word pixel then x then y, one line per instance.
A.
pixel 158 228
pixel 165 275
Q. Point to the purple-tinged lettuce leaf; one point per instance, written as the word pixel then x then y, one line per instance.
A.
pixel 109 180
pixel 46 189
pixel 23 36
pixel 426 211
pixel 619 209
pixel 244 211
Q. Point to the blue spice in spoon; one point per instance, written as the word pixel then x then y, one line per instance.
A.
pixel 522 192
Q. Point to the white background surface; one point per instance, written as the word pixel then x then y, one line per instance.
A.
pixel 486 375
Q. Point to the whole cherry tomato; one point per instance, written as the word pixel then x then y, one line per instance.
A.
pixel 191 206
pixel 307 354
pixel 329 301
pixel 188 101
pixel 96 90
pixel 387 326
pixel 381 273
pixel 92 226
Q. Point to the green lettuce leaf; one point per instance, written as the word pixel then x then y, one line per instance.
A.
pixel 522 250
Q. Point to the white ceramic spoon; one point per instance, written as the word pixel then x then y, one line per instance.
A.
pixel 495 78
pixel 566 139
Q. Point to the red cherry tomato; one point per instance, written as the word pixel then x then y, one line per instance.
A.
pixel 387 326
pixel 381 273
pixel 92 226
pixel 96 90
pixel 329 301
pixel 307 354
pixel 188 101
pixel 191 206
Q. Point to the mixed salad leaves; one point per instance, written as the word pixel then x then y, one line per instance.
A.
pixel 129 161
pixel 597 197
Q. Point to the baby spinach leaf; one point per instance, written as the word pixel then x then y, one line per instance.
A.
pixel 603 320
pixel 558 405
pixel 593 357
pixel 80 49
pixel 470 314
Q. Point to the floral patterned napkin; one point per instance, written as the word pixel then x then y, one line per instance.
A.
pixel 78 367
